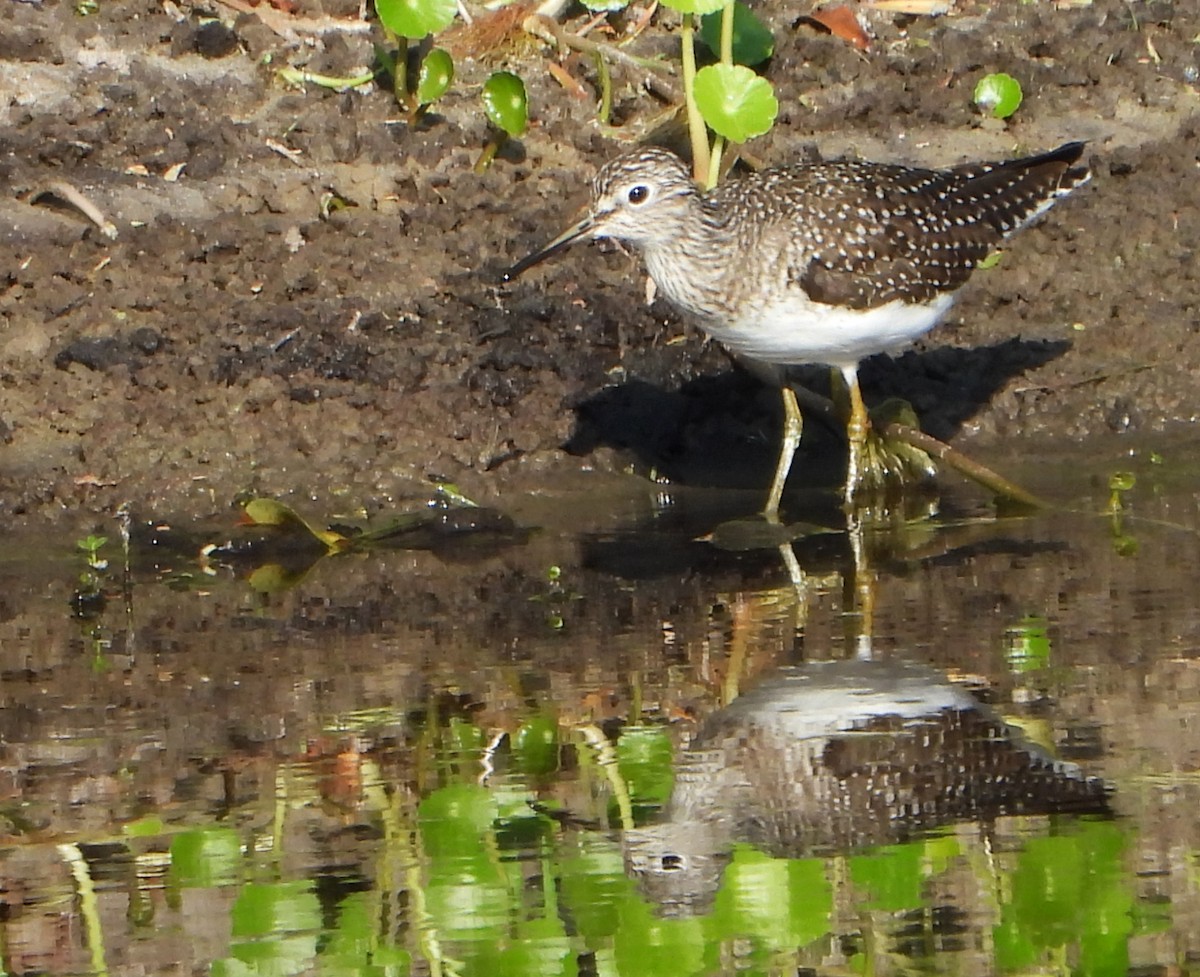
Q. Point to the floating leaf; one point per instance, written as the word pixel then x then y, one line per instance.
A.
pixel 735 102
pixel 753 42
pixel 268 512
pixel 415 18
pixel 998 94
pixel 437 71
pixel 505 102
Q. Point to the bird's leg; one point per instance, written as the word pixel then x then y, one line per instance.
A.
pixel 793 425
pixel 857 425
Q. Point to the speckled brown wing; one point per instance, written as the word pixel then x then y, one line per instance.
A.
pixel 878 234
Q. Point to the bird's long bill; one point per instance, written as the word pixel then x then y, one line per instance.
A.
pixel 572 233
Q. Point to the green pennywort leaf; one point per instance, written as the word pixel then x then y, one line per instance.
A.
pixel 735 102
pixel 437 72
pixel 753 42
pixel 998 94
pixel 415 18
pixel 694 6
pixel 505 102
pixel 602 6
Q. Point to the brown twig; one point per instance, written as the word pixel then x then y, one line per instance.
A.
pixel 554 33
pixel 68 194
pixel 962 464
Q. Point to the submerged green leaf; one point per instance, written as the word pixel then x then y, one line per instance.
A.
pixel 645 758
pixel 536 745
pixel 202 857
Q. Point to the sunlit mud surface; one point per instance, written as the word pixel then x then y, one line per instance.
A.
pixel 592 744
pixel 235 321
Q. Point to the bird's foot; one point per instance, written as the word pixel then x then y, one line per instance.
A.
pixel 887 465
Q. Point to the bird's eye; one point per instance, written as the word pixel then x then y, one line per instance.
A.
pixel 638 194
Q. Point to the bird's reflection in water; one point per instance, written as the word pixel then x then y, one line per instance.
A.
pixel 833 757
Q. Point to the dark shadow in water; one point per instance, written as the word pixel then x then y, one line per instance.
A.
pixel 676 540
pixel 723 431
pixel 834 757
pixel 679 537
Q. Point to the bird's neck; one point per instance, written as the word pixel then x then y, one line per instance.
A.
pixel 686 263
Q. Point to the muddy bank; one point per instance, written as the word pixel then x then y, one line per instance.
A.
pixel 230 339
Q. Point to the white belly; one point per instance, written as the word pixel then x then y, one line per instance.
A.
pixel 797 330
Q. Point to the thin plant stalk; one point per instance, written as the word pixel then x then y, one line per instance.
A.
pixel 605 111
pixel 400 70
pixel 727 33
pixel 714 162
pixel 696 127
pixel 489 153
pixel 718 146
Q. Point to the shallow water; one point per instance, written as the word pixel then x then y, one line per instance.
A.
pixel 952 743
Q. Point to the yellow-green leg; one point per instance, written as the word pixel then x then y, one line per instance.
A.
pixel 793 426
pixel 857 426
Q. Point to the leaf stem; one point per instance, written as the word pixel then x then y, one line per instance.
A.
pixel 714 162
pixel 489 152
pixel 696 127
pixel 727 33
pixel 402 93
pixel 604 113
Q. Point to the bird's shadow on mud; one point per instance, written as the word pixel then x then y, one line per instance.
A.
pixel 723 430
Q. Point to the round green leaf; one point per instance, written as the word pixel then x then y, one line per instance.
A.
pixel 206 857
pixel 735 102
pixel 437 71
pixel 753 42
pixel 645 759
pixel 415 18
pixel 455 819
pixel 535 745
pixel 505 103
pixel 999 95
pixel 146 827
pixel 601 6
pixel 695 6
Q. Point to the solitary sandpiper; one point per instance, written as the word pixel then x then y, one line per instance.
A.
pixel 824 262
